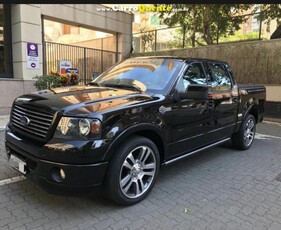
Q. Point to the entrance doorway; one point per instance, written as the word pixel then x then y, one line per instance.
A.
pixel 90 52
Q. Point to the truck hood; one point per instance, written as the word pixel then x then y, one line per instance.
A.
pixel 83 100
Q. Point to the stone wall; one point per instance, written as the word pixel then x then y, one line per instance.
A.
pixel 10 89
pixel 252 62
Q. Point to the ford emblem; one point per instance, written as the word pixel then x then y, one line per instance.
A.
pixel 24 120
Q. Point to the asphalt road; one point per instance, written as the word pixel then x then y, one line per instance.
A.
pixel 220 188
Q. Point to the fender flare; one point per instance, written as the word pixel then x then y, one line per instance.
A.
pixel 247 111
pixel 253 105
pixel 132 130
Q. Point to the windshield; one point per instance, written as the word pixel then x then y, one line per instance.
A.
pixel 141 74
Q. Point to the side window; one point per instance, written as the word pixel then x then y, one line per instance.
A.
pixel 193 75
pixel 220 78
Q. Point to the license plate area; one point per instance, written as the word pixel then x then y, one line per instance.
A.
pixel 17 164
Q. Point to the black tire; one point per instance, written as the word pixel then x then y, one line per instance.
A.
pixel 132 171
pixel 244 138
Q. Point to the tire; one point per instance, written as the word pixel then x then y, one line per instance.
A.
pixel 244 138
pixel 132 171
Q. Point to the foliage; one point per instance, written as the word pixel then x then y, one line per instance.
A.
pixel 47 81
pixel 55 79
pixel 270 12
pixel 207 22
pixel 180 41
pixel 146 38
pixel 239 36
pixel 177 41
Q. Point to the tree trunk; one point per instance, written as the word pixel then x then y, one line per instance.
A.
pixel 193 26
pixel 206 27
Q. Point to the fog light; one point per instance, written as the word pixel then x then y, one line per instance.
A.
pixel 58 174
pixel 62 174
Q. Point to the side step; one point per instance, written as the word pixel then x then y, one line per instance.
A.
pixel 196 151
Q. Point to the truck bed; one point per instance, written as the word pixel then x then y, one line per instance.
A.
pixel 251 88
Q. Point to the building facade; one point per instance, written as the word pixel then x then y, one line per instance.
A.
pixel 23 40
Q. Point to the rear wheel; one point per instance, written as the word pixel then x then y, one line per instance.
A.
pixel 244 138
pixel 132 171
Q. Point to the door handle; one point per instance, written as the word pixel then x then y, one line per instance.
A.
pixel 234 99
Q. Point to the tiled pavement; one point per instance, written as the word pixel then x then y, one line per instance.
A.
pixel 216 189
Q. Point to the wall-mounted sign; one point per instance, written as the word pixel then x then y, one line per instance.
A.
pixel 64 65
pixel 69 70
pixel 32 56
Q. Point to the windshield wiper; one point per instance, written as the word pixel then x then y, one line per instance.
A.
pixel 124 86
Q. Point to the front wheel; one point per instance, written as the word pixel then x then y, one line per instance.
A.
pixel 244 138
pixel 132 171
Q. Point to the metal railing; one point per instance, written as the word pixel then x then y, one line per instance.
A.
pixel 175 37
pixel 88 61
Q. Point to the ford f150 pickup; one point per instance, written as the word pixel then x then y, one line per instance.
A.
pixel 116 131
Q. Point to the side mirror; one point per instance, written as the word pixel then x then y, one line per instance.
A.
pixel 194 91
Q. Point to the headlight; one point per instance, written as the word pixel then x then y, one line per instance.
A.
pixel 69 126
pixel 84 127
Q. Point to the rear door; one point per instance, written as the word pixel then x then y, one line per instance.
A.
pixel 223 93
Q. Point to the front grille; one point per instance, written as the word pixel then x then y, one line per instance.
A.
pixel 32 122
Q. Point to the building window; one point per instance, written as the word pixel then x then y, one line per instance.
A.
pixel 5 41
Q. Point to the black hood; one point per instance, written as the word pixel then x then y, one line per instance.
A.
pixel 83 100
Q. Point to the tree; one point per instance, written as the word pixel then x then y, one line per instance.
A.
pixel 270 12
pixel 146 39
pixel 211 21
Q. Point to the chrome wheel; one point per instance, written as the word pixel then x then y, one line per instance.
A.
pixel 244 138
pixel 249 132
pixel 137 172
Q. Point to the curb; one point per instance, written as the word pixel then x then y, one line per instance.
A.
pixel 277 120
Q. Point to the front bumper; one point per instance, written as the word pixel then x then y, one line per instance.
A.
pixel 78 177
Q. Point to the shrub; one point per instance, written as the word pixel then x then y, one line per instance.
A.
pixel 54 79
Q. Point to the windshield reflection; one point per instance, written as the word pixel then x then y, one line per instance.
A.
pixel 141 74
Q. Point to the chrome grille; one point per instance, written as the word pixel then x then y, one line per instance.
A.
pixel 39 122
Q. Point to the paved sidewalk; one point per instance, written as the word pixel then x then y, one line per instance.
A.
pixel 4 119
pixel 217 189
pixel 278 120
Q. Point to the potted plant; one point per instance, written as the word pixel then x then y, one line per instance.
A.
pixel 55 79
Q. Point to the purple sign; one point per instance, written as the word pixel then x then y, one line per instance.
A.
pixel 32 56
pixel 32 49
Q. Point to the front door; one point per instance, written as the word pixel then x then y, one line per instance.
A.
pixel 192 118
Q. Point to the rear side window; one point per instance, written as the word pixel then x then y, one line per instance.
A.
pixel 220 79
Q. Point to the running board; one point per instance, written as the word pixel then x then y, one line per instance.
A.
pixel 195 151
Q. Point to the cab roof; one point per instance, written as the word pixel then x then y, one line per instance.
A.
pixel 186 59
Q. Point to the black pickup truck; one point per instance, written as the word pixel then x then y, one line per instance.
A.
pixel 116 131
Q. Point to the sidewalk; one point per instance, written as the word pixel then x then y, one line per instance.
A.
pixel 278 120
pixel 4 119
